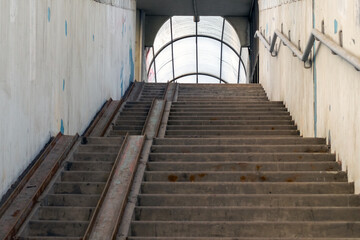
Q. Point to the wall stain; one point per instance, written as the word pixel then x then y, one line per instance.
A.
pixel 122 80
pixel 132 66
pixel 123 21
pixel 335 26
pixel 62 127
pixel 66 28
pixel 49 14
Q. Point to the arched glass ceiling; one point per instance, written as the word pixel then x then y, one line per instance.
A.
pixel 208 51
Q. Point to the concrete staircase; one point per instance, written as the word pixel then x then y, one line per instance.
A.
pixel 66 207
pixel 132 116
pixel 233 166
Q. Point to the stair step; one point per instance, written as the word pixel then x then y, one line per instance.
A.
pixel 96 157
pixel 226 103
pixel 194 133
pixel 229 109
pixel 73 200
pixel 270 140
pixel 251 200
pixel 189 105
pixel 247 188
pixel 49 238
pixel 228 122
pixel 57 228
pixel 64 213
pixel 84 176
pixel 232 127
pixel 243 166
pixel 128 122
pixel 89 166
pixel 223 117
pixel 128 127
pixel 245 229
pixel 205 176
pixel 238 148
pixel 115 133
pixel 242 157
pixel 98 148
pixel 219 99
pixel 104 141
pixel 78 188
pixel 228 238
pixel 248 214
pixel 135 110
pixel 230 113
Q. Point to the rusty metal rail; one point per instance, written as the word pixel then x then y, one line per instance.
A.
pixel 19 205
pixel 170 91
pixel 98 117
pixel 153 120
pixel 103 194
pixel 305 56
pixel 124 99
pixel 106 115
pixel 105 220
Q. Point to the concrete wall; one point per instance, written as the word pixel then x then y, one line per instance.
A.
pixel 60 60
pixel 324 100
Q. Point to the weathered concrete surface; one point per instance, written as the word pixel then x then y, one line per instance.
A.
pixel 111 210
pixel 59 62
pixel 322 100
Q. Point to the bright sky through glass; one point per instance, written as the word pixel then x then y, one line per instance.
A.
pixel 213 44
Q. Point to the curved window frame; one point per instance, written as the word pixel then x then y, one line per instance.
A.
pixel 152 64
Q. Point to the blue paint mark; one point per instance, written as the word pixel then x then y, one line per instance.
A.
pixel 93 37
pixel 122 80
pixel 63 84
pixel 267 29
pixel 62 127
pixel 66 28
pixel 122 88
pixel 335 26
pixel 49 14
pixel 132 66
pixel 314 76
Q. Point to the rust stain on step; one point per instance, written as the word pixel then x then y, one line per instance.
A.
pixel 172 178
pixel 201 175
pixel 16 213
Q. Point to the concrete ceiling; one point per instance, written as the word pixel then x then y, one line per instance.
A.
pixel 204 7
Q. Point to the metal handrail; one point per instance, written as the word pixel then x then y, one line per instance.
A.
pixel 304 56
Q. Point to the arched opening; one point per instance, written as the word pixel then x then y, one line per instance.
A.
pixel 208 51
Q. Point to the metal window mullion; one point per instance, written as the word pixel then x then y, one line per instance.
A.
pixel 239 69
pixel 192 36
pixel 172 47
pixel 154 65
pixel 197 52
pixel 221 49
